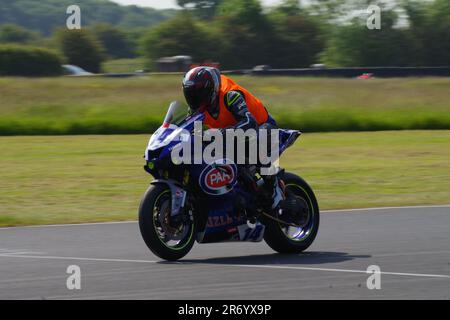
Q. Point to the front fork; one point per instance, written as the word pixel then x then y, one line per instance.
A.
pixel 178 195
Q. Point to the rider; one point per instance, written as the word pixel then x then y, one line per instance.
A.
pixel 226 105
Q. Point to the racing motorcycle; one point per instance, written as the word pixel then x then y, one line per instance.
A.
pixel 212 203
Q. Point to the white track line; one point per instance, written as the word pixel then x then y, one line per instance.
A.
pixel 134 221
pixel 387 208
pixel 71 224
pixel 228 265
pixel 72 258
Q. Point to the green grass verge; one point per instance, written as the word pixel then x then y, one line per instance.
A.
pixel 70 179
pixel 137 105
pixel 123 65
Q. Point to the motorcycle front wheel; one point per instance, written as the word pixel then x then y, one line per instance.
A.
pixel 162 236
pixel 285 238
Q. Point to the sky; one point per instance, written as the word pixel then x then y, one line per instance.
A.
pixel 162 4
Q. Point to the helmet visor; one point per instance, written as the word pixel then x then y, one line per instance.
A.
pixel 197 98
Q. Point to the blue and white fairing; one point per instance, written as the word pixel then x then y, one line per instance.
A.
pixel 217 182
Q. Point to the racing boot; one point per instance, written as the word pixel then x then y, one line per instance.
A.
pixel 271 194
pixel 278 195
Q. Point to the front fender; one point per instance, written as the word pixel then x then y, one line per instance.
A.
pixel 177 192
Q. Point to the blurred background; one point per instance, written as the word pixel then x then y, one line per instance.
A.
pixel 77 106
pixel 235 34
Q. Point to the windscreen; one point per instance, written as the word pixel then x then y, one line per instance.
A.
pixel 176 114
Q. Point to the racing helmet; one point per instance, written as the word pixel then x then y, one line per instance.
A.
pixel 201 86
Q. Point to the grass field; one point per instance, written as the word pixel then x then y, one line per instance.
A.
pixel 136 105
pixel 69 179
pixel 123 65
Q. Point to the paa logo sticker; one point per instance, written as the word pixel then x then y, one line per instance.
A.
pixel 218 178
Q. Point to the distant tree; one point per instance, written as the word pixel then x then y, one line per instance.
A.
pixel 298 40
pixel 139 17
pixel 20 60
pixel 430 31
pixel 181 35
pixel 11 33
pixel 114 41
pixel 354 45
pixel 336 10
pixel 46 15
pixel 203 8
pixel 80 48
pixel 246 34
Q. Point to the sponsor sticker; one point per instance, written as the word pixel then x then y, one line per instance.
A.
pixel 218 178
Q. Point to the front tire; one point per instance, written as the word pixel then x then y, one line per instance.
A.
pixel 278 236
pixel 153 212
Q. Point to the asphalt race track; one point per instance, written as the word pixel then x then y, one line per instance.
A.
pixel 410 245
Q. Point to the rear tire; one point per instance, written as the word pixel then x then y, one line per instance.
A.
pixel 276 238
pixel 152 198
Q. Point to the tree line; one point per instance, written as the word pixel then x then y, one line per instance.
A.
pixel 242 34
pixel 44 16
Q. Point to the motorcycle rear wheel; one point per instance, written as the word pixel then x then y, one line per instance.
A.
pixel 280 237
pixel 167 242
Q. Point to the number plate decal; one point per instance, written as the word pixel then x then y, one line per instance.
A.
pixel 251 235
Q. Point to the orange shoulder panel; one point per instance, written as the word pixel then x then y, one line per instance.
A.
pixel 225 118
